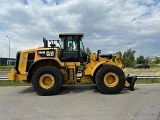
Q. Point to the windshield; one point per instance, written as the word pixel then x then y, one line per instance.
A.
pixel 71 44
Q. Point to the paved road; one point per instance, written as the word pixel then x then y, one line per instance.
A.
pixel 80 103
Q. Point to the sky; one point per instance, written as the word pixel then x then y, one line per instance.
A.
pixel 108 25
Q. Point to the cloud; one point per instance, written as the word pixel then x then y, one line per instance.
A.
pixel 108 25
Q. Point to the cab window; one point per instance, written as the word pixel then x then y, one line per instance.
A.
pixel 71 44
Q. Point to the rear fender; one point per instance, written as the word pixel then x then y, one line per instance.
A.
pixel 39 63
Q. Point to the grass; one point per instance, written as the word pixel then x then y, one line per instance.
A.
pixel 151 71
pixel 155 66
pixel 22 83
pixel 148 81
pixel 14 83
pixel 6 68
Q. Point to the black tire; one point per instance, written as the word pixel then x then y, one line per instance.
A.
pixel 52 72
pixel 94 76
pixel 93 79
pixel 116 75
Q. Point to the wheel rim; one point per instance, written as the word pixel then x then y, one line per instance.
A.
pixel 46 81
pixel 111 79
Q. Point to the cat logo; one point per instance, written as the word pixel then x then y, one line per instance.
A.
pixel 46 53
pixel 49 53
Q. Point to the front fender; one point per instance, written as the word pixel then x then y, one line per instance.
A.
pixel 92 66
pixel 96 66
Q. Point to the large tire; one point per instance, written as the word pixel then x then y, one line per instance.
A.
pixel 47 80
pixel 110 79
pixel 93 79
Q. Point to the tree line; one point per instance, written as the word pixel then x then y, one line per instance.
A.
pixel 128 58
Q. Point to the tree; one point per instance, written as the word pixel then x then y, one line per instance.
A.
pixel 88 51
pixel 157 60
pixel 141 59
pixel 128 58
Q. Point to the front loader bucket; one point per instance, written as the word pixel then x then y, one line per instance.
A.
pixel 131 80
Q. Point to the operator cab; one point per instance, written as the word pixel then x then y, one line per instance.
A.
pixel 72 49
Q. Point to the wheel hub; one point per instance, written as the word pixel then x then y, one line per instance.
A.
pixel 111 79
pixel 46 81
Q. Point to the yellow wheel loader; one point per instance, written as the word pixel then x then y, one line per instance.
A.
pixel 51 66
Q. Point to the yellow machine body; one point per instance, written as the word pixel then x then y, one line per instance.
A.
pixel 31 63
pixel 87 74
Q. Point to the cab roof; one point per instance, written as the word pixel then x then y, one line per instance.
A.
pixel 71 34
